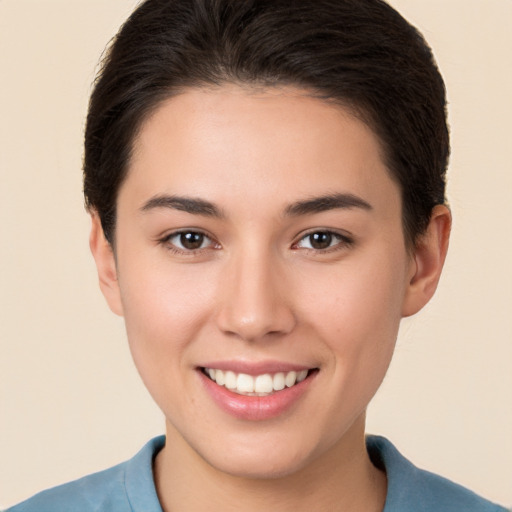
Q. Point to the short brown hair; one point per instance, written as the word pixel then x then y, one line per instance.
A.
pixel 358 53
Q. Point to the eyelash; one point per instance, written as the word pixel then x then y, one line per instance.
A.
pixel 167 242
pixel 342 241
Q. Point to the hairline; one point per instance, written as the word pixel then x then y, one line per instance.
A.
pixel 347 107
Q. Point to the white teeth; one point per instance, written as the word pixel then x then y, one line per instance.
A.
pixel 264 384
pixel 261 385
pixel 302 375
pixel 230 379
pixel 220 378
pixel 245 383
pixel 279 383
pixel 290 379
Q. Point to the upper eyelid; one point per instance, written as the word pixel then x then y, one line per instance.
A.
pixel 180 231
pixel 182 252
pixel 343 241
pixel 166 240
pixel 344 235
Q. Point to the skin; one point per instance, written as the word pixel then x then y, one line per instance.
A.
pixel 258 290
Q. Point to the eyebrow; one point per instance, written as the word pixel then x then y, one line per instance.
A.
pixel 325 203
pixel 185 204
pixel 196 206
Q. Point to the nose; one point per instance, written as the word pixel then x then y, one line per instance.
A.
pixel 255 300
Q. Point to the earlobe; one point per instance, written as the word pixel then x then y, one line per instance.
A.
pixel 106 265
pixel 428 260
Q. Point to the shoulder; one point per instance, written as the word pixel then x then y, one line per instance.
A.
pixel 101 491
pixel 411 488
pixel 121 488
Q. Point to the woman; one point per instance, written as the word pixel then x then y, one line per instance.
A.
pixel 266 186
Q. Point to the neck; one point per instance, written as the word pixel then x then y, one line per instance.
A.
pixel 341 479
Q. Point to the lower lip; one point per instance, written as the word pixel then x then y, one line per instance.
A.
pixel 255 408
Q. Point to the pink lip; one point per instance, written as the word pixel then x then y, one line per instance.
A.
pixel 255 408
pixel 255 368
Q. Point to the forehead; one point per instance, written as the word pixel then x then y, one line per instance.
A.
pixel 265 144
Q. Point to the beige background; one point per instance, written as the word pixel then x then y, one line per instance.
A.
pixel 70 400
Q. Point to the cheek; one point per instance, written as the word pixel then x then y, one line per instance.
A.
pixel 164 309
pixel 358 302
pixel 356 310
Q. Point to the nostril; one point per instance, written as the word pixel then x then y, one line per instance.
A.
pixel 265 324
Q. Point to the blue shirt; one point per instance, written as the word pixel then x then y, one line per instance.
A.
pixel 129 487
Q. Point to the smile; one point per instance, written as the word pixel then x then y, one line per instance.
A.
pixel 255 385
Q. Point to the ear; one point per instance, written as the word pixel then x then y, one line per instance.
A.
pixel 106 265
pixel 427 261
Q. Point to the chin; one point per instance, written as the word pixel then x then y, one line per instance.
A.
pixel 265 465
pixel 261 457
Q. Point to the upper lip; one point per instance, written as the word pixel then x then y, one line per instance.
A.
pixel 255 367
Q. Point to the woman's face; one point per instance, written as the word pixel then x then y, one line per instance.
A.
pixel 259 240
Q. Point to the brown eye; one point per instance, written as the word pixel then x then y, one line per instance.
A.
pixel 320 240
pixel 189 241
pixel 323 240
